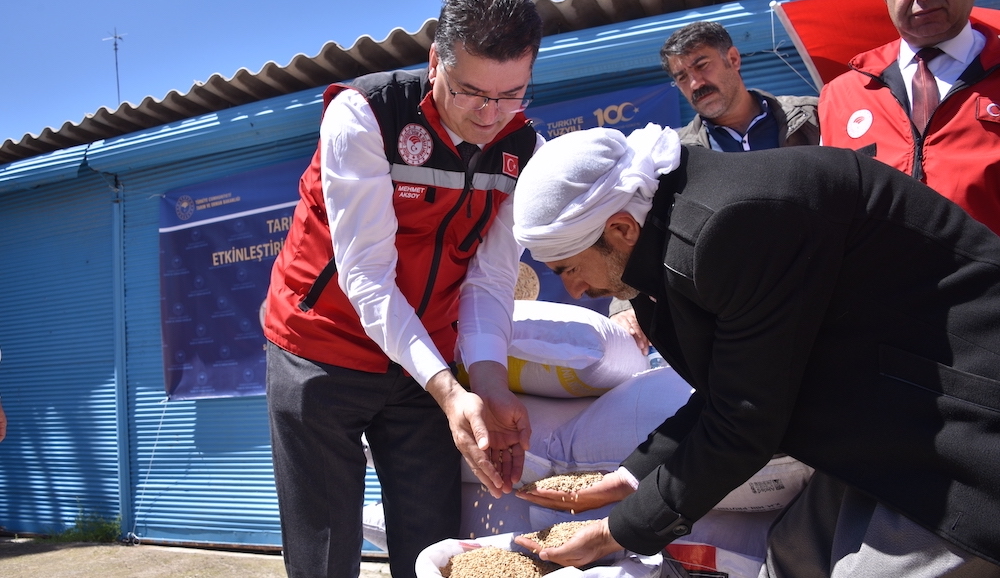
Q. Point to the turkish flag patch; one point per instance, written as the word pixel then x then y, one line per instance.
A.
pixel 511 167
pixel 987 109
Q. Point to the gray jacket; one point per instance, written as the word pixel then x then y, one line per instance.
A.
pixel 798 122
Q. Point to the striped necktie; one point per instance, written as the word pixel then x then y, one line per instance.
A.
pixel 925 90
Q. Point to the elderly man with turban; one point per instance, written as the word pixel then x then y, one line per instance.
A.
pixel 822 305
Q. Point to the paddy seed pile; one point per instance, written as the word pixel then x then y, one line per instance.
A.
pixel 493 562
pixel 572 482
pixel 558 534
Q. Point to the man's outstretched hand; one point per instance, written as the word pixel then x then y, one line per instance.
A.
pixel 489 425
pixel 612 488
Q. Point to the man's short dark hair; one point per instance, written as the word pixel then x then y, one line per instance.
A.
pixel 692 37
pixel 500 30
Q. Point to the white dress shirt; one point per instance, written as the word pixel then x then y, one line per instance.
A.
pixel 357 189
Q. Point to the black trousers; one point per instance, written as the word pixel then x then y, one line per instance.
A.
pixel 317 415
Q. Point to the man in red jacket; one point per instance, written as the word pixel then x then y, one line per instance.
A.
pixel 400 249
pixel 953 147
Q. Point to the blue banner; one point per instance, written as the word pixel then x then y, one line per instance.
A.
pixel 218 241
pixel 624 110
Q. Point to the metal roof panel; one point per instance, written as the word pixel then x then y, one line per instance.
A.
pixel 333 63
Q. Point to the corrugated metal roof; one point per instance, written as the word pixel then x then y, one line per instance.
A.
pixel 400 49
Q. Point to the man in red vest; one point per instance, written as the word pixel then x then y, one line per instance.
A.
pixel 401 249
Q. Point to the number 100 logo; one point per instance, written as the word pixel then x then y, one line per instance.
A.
pixel 615 113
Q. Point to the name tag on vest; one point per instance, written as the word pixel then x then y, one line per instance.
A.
pixel 410 192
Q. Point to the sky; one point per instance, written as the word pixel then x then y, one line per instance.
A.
pixel 59 55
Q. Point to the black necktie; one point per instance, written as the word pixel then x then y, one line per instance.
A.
pixel 925 90
pixel 467 150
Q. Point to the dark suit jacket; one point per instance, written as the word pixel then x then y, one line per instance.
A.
pixel 827 306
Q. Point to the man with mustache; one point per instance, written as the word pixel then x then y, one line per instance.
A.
pixel 705 67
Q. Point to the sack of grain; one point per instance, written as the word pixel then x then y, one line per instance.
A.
pixel 622 565
pixel 771 488
pixel 603 435
pixel 562 350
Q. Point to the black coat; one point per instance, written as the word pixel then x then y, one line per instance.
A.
pixel 827 306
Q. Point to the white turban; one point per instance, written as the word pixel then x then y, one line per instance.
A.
pixel 575 182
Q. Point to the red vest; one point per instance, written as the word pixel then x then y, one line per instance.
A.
pixel 441 223
pixel 959 156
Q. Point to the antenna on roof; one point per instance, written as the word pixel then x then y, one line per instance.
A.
pixel 116 37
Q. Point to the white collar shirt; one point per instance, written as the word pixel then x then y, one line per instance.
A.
pixel 959 52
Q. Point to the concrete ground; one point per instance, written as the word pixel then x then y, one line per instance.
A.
pixel 28 558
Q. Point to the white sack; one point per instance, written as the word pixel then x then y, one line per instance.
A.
pixel 605 433
pixel 541 517
pixel 484 515
pixel 373 525
pixel 741 532
pixel 563 350
pixel 771 488
pixel 624 565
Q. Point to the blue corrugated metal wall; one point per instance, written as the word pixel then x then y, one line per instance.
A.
pixel 81 372
pixel 60 457
pixel 201 469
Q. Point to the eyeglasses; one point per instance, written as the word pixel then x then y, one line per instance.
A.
pixel 468 101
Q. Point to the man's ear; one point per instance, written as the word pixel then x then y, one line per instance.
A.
pixel 734 58
pixel 432 63
pixel 622 230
